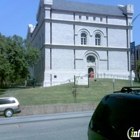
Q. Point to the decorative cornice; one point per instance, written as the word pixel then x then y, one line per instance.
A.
pixel 85 22
pixel 87 47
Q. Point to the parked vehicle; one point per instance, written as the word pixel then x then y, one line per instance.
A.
pixel 9 106
pixel 117 116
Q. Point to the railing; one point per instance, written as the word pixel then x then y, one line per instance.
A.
pixel 84 78
pixel 103 75
pixel 113 76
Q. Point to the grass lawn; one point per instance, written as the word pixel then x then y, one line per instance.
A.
pixel 63 93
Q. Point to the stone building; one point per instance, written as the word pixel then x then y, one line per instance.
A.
pixel 76 38
pixel 137 58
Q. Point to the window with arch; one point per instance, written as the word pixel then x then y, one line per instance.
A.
pixel 83 39
pixel 98 39
pixel 90 59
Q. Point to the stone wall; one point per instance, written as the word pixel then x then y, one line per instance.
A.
pixel 55 108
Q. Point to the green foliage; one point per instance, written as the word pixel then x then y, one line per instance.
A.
pixel 137 65
pixel 16 56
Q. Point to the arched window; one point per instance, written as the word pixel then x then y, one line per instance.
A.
pixel 98 39
pixel 90 59
pixel 83 39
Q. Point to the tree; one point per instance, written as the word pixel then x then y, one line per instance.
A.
pixel 4 63
pixel 137 70
pixel 137 65
pixel 16 56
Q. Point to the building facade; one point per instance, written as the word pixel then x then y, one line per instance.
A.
pixel 137 58
pixel 76 38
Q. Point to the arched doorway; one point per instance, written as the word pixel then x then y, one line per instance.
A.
pixel 91 72
pixel 92 62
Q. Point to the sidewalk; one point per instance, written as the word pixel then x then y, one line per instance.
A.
pixel 45 117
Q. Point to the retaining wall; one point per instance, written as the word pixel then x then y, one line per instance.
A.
pixel 55 108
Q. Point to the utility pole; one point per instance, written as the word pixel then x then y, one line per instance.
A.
pixel 131 44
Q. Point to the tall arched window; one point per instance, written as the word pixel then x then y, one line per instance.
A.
pixel 83 39
pixel 98 39
pixel 90 59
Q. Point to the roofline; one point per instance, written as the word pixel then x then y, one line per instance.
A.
pixel 88 13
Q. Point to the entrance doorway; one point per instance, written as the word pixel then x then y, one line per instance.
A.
pixel 91 73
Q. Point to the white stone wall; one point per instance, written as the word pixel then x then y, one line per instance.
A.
pixel 62 33
pixel 118 61
pixel 57 77
pixel 117 38
pixel 62 15
pixel 102 55
pixel 62 59
pixel 47 33
pixel 102 66
pixel 116 21
pixel 79 54
pixel 79 64
pixel 47 59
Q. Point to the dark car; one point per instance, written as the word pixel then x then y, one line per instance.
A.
pixel 117 117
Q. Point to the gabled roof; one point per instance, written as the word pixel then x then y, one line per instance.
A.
pixel 69 5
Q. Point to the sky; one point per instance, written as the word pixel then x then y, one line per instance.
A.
pixel 15 15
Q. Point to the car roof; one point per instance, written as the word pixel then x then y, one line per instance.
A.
pixel 124 95
pixel 7 98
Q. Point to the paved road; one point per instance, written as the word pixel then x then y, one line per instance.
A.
pixel 55 129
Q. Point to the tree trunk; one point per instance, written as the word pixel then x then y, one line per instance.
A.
pixel 2 81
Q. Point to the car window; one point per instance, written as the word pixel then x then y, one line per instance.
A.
pixel 6 101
